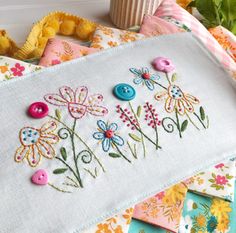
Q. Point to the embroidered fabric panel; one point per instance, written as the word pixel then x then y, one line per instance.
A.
pixel 58 51
pixel 92 145
pixel 11 68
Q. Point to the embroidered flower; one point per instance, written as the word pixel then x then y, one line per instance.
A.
pixel 211 224
pixel 163 64
pixel 17 70
pixel 176 99
pixel 36 143
pixel 221 165
pixel 107 135
pixel 78 102
pixel 143 76
pixel 220 208
pixel 221 180
pixel 201 220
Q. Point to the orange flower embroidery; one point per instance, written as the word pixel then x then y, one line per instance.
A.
pixel 3 69
pixel 36 143
pixel 176 99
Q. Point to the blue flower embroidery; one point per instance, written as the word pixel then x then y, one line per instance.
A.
pixel 143 76
pixel 212 224
pixel 107 135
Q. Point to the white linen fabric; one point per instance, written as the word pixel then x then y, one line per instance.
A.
pixel 29 208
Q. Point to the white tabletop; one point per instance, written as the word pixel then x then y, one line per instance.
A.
pixel 18 16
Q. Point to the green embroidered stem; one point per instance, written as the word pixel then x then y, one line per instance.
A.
pixel 139 129
pixel 207 118
pixel 142 139
pixel 90 173
pixel 58 189
pixel 159 85
pixel 133 152
pixel 168 78
pixel 178 125
pixel 192 121
pixel 85 144
pixel 73 181
pixel 200 120
pixel 74 154
pixel 118 149
pixel 70 168
pixel 153 118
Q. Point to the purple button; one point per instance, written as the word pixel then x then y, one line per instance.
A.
pixel 38 110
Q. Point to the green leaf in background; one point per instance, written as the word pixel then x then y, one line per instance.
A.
pixel 135 137
pixel 139 111
pixel 114 155
pixel 63 153
pixel 184 125
pixel 208 9
pixel 60 171
pixel 58 114
pixel 228 9
pixel 202 114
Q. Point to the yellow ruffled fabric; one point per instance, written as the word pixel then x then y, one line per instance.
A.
pixel 50 25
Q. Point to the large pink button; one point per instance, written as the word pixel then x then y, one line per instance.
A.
pixel 38 110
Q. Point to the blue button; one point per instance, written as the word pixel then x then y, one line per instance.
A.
pixel 124 91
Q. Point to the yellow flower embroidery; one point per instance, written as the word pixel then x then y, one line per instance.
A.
pixel 36 143
pixel 176 99
pixel 220 208
pixel 112 43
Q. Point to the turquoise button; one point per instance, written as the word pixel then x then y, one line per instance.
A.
pixel 124 91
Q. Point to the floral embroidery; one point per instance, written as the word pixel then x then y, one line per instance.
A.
pixel 144 77
pixel 36 143
pixel 78 102
pixel 17 70
pixel 176 99
pixel 107 135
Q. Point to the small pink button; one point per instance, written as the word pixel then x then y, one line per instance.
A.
pixel 40 177
pixel 38 110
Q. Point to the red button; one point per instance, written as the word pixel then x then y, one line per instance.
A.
pixel 38 110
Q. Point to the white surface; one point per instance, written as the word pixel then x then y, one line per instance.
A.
pixel 26 208
pixel 18 16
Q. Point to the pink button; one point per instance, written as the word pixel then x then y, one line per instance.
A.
pixel 38 110
pixel 40 177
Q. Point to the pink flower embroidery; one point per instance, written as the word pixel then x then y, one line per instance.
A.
pixel 160 195
pixel 219 165
pixel 17 70
pixel 78 102
pixel 221 180
pixel 56 62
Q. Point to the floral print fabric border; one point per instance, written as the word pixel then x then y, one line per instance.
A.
pixel 164 209
pixel 217 181
pixel 11 68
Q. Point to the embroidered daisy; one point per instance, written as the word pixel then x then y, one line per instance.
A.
pixel 176 99
pixel 107 135
pixel 36 143
pixel 78 102
pixel 143 76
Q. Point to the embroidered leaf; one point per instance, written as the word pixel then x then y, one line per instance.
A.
pixel 58 114
pixel 228 176
pixel 114 155
pixel 211 180
pixel 202 114
pixel 174 77
pixel 135 137
pixel 59 171
pixel 184 125
pixel 63 153
pixel 213 175
pixel 139 109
